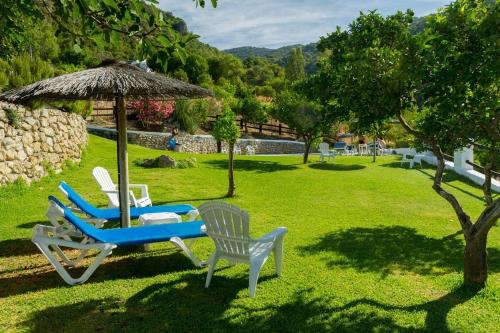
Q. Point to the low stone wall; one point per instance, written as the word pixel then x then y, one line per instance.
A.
pixel 43 139
pixel 202 144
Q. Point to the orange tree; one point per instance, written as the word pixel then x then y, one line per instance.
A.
pixel 446 76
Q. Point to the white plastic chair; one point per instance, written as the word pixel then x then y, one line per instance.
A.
pixel 109 188
pixel 324 151
pixel 411 160
pixel 228 227
pixel 250 150
pixel 237 150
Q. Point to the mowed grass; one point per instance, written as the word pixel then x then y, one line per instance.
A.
pixel 370 248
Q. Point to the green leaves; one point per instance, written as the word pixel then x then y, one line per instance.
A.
pixel 225 128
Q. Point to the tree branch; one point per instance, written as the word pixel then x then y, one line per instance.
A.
pixel 484 147
pixel 411 130
pixel 463 218
pixel 487 219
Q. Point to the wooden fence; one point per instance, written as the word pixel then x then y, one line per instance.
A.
pixel 105 109
pixel 279 129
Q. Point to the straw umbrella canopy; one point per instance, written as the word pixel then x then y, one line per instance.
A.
pixel 112 80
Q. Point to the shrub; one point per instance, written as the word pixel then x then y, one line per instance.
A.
pixel 267 91
pixel 24 69
pixel 190 114
pixel 152 113
pixel 13 117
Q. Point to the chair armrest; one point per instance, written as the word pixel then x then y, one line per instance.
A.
pixel 273 235
pixel 143 187
pixel 133 201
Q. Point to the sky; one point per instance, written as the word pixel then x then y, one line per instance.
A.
pixel 275 23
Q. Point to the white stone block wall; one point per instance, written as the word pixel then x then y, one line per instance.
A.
pixel 201 144
pixel 45 139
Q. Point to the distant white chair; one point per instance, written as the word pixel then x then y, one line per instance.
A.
pixel 411 160
pixel 237 150
pixel 250 150
pixel 228 227
pixel 109 188
pixel 362 149
pixel 324 151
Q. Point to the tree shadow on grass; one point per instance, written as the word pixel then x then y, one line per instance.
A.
pixel 184 305
pixel 31 225
pixel 17 247
pixel 448 177
pixel 252 165
pixel 451 176
pixel 45 277
pixel 159 203
pixel 336 167
pixel 384 249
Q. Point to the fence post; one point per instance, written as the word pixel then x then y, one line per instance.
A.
pixel 241 123
pixel 260 128
pixel 279 128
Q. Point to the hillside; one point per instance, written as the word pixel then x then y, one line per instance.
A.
pixel 280 55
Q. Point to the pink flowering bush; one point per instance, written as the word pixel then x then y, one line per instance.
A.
pixel 152 113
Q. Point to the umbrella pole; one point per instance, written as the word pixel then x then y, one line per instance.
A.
pixel 121 124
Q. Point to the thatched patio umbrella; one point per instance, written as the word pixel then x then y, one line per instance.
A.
pixel 111 80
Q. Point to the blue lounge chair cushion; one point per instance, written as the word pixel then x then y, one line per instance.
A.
pixel 111 214
pixel 135 235
pixel 339 145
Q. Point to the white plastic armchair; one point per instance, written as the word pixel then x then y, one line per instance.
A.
pixel 237 150
pixel 250 150
pixel 228 227
pixel 109 188
pixel 324 151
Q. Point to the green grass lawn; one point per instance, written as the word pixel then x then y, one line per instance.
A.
pixel 370 247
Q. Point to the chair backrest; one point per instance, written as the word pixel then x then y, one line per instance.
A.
pixel 324 147
pixel 102 177
pixel 78 223
pixel 228 226
pixel 78 201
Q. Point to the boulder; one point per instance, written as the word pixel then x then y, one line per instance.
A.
pixel 165 161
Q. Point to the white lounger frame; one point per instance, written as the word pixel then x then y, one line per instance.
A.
pixel 51 239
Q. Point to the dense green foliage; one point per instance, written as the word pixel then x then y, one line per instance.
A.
pixel 369 249
pixel 308 119
pixel 190 114
pixel 226 130
pixel 295 66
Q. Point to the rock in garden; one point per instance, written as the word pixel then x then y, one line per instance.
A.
pixel 165 161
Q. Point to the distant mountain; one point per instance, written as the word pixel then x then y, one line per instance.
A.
pixel 279 55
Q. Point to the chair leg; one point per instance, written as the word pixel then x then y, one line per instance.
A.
pixel 211 268
pixel 278 255
pixel 44 247
pixel 180 244
pixel 255 267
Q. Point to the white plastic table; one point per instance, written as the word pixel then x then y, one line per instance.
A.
pixel 158 218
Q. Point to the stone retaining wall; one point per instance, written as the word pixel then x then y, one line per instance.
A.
pixel 43 139
pixel 203 144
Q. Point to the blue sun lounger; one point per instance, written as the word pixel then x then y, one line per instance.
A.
pixel 113 214
pixel 75 233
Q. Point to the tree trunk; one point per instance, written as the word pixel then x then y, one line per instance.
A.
pixel 230 191
pixel 374 149
pixel 475 262
pixel 306 151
